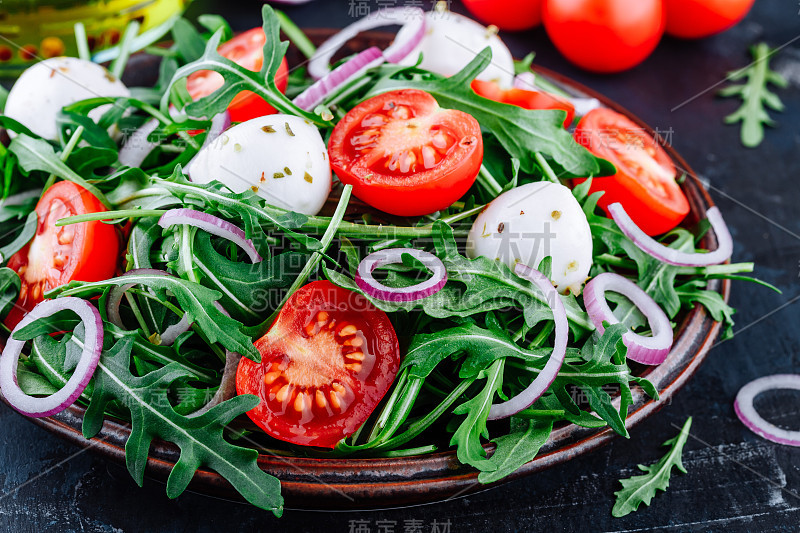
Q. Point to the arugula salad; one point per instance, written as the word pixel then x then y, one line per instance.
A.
pixel 415 249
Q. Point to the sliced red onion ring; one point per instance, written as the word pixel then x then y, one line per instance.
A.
pixel 645 350
pixel 227 385
pixel 672 256
pixel 412 20
pixel 213 225
pixel 116 294
pixel 137 147
pixel 526 81
pixel 93 347
pixel 754 421
pixel 542 382
pixel 354 67
pixel 375 289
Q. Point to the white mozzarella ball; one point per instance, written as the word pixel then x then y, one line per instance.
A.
pixel 531 222
pixel 451 41
pixel 46 87
pixel 282 158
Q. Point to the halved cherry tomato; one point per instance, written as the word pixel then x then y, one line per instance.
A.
pixel 604 35
pixel 508 15
pixel 692 19
pixel 524 98
pixel 247 50
pixel 88 251
pixel 645 180
pixel 404 154
pixel 326 362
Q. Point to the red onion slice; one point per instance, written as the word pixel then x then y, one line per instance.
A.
pixel 375 289
pixel 116 294
pixel 526 81
pixel 412 20
pixel 755 422
pixel 136 147
pixel 645 350
pixel 542 382
pixel 672 256
pixel 227 385
pixel 354 67
pixel 213 225
pixel 93 347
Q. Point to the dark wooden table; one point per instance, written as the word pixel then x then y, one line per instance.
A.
pixel 737 482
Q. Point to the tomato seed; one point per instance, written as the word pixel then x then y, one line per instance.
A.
pixel 320 399
pixel 356 356
pixel 348 330
pixel 283 393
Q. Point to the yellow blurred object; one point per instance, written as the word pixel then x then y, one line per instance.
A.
pixel 31 30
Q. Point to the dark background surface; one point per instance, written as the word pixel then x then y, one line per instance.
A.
pixel 737 482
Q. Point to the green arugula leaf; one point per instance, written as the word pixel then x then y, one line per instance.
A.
pixel 755 95
pixel 200 439
pixel 250 291
pixel 468 436
pixel 194 299
pixel 515 449
pixel 238 79
pixel 37 154
pixel 25 233
pixel 473 286
pixel 641 489
pixel 522 132
pixel 9 289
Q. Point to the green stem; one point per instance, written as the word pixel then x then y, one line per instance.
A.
pixel 488 181
pixel 110 215
pixel 316 257
pixel 546 168
pixel 539 413
pixel 82 42
pixel 421 425
pixel 186 255
pixel 70 146
pixel 137 313
pixel 380 423
pixel 118 66
pixel 296 35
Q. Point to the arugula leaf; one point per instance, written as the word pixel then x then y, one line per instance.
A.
pixel 194 299
pixel 9 289
pixel 641 489
pixel 250 291
pixel 515 449
pixel 473 286
pixel 755 95
pixel 38 154
pixel 522 132
pixel 467 437
pixel 25 233
pixel 200 439
pixel 238 79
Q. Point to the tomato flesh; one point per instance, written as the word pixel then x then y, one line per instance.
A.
pixel 645 180
pixel 88 251
pixel 404 154
pixel 524 98
pixel 247 50
pixel 326 362
pixel 604 35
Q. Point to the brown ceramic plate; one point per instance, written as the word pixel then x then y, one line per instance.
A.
pixel 314 483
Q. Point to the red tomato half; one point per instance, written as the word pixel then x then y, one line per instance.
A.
pixel 88 251
pixel 524 98
pixel 692 19
pixel 604 35
pixel 247 50
pixel 508 15
pixel 404 154
pixel 645 180
pixel 325 364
